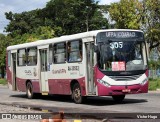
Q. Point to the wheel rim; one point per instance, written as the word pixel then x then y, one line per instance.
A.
pixel 29 91
pixel 77 94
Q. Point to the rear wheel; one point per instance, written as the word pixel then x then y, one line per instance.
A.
pixel 29 90
pixel 118 98
pixel 76 94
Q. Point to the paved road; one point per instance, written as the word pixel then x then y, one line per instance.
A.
pixel 141 104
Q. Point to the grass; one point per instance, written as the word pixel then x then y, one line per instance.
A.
pixel 3 81
pixel 154 84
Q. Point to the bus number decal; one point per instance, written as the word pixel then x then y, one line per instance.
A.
pixel 73 68
pixel 116 45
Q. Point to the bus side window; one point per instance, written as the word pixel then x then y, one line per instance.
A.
pixel 75 51
pixel 32 56
pixel 22 57
pixel 60 52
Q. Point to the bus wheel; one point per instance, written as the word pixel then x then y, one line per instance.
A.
pixel 118 98
pixel 76 94
pixel 29 90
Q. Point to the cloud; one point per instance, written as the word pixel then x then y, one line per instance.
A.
pixel 107 2
pixel 17 6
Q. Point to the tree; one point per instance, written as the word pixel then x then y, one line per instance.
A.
pixel 22 23
pixel 3 44
pixel 65 17
pixel 126 14
pixel 151 22
pixel 40 33
pixel 72 16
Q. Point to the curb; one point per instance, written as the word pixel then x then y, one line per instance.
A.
pixel 156 91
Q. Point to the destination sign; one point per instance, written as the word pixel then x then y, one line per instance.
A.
pixel 111 35
pixel 124 34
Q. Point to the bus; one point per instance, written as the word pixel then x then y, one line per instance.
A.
pixel 109 62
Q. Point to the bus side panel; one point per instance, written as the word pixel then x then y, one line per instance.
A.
pixel 36 86
pixel 59 86
pixel 62 86
pixel 82 84
pixel 61 75
pixel 21 84
pixel 27 73
pixel 9 74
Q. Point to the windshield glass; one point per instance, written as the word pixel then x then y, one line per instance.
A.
pixel 121 54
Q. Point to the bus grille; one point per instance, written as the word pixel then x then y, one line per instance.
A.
pixel 125 78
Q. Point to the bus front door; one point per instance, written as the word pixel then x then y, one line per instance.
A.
pixel 43 72
pixel 90 70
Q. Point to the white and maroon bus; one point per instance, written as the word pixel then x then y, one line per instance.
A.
pixel 109 62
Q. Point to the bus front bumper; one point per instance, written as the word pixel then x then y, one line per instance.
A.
pixel 121 90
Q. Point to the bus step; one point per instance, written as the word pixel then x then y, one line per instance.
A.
pixel 44 93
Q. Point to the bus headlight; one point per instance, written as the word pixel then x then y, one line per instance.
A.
pixel 144 81
pixel 103 82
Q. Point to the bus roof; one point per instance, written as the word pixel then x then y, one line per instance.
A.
pixel 64 38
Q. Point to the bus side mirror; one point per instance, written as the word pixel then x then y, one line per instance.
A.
pixel 95 48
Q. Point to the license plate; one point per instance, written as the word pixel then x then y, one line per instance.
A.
pixel 126 90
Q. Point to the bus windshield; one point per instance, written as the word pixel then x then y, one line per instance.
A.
pixel 127 53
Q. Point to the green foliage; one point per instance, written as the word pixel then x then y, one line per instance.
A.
pixel 59 17
pixel 65 17
pixel 72 16
pixel 153 65
pixel 43 32
pixel 151 14
pixel 22 23
pixel 154 84
pixel 3 45
pixel 40 33
pixel 136 14
pixel 126 14
pixel 3 81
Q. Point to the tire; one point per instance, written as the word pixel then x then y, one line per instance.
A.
pixel 76 94
pixel 29 90
pixel 118 98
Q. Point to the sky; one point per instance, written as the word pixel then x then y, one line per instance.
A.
pixel 107 2
pixel 18 6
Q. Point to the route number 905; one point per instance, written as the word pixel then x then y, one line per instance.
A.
pixel 116 45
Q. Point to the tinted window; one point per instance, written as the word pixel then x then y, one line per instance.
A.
pixel 22 57
pixel 75 51
pixel 60 53
pixel 32 56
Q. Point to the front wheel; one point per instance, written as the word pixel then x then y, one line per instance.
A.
pixel 29 90
pixel 118 98
pixel 76 94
